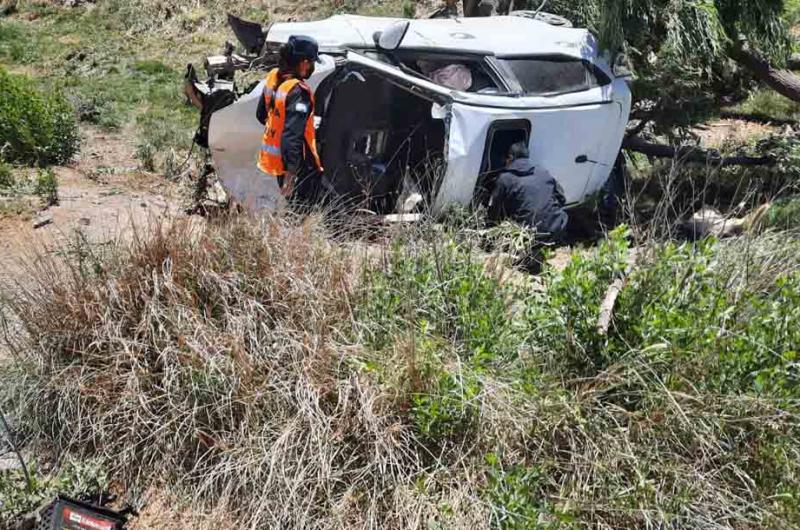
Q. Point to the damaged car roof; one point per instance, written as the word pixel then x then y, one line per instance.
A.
pixel 501 36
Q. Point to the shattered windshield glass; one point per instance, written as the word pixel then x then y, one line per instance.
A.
pixel 463 73
pixel 552 75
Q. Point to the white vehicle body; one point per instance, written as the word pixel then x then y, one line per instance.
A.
pixel 574 131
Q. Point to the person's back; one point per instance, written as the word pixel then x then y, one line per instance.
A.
pixel 529 196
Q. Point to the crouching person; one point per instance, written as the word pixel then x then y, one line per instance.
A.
pixel 532 198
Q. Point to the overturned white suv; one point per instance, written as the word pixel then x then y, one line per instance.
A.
pixel 429 106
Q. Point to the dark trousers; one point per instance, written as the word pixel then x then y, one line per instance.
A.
pixel 311 190
pixel 532 261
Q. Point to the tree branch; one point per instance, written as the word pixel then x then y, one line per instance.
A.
pixel 693 154
pixel 610 301
pixel 785 82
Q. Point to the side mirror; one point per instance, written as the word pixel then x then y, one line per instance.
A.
pixel 582 159
pixel 392 37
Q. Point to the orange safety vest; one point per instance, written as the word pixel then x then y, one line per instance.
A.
pixel 270 160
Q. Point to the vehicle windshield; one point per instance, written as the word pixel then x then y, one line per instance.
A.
pixel 553 75
pixel 458 72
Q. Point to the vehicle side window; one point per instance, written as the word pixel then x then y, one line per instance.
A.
pixel 554 75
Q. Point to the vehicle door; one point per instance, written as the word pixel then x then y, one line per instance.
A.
pixel 363 144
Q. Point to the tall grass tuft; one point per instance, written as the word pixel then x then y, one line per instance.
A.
pixel 207 357
pixel 266 367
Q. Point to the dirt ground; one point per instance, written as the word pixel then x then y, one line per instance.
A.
pixel 102 195
pixel 728 132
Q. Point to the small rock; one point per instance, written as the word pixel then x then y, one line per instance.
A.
pixel 85 221
pixel 143 204
pixel 42 220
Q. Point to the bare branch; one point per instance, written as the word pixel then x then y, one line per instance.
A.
pixel 693 154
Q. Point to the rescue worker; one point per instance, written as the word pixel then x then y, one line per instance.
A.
pixel 289 146
pixel 531 197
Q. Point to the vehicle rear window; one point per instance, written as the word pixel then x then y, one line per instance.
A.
pixel 549 75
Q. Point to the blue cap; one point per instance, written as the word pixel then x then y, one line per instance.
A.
pixel 303 47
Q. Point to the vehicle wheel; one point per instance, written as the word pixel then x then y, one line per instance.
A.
pixel 609 209
pixel 547 18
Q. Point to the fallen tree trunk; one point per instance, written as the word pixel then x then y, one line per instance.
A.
pixel 783 81
pixel 693 154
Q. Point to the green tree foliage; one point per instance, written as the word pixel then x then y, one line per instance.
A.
pixel 680 50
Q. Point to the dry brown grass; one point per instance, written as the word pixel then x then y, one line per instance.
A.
pixel 232 364
pixel 214 360
pixel 208 357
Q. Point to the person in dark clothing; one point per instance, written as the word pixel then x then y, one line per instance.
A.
pixel 528 195
pixel 287 111
pixel 298 108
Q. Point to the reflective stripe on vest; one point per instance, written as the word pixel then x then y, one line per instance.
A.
pixel 270 160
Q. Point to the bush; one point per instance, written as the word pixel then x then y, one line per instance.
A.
pixel 36 127
pixel 564 321
pixel 437 283
pixel 516 494
pixel 249 363
pixel 783 214
pixel 236 326
pixel 46 186
pixel 6 178
pixel 711 325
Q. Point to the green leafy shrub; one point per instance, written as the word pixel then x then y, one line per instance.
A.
pixel 6 178
pixel 19 497
pixel 448 409
pixel 252 342
pixel 431 287
pixel 440 285
pixel 46 186
pixel 15 43
pixel 564 320
pixel 97 109
pixel 683 307
pixel 516 495
pixel 783 214
pixel 36 127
